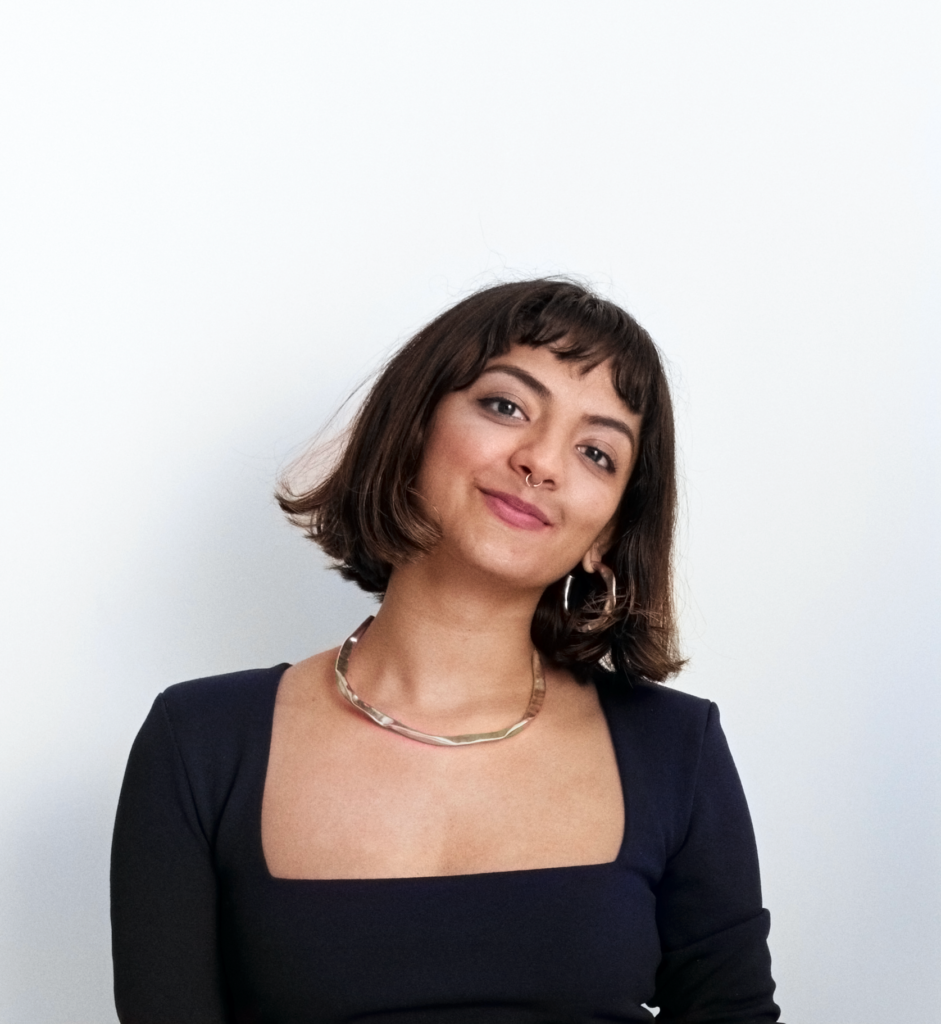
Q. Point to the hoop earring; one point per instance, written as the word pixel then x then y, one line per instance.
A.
pixel 528 484
pixel 603 619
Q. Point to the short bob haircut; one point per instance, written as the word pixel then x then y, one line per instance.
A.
pixel 366 514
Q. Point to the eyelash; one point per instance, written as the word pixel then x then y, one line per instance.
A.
pixel 607 465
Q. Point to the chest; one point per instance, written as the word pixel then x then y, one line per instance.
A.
pixel 479 947
pixel 345 799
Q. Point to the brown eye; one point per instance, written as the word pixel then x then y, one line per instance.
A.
pixel 598 457
pixel 502 407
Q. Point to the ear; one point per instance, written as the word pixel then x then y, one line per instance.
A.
pixel 600 547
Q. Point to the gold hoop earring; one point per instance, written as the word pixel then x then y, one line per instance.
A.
pixel 603 619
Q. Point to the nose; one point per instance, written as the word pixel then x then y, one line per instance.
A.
pixel 538 463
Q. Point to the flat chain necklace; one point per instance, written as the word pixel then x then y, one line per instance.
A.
pixel 536 698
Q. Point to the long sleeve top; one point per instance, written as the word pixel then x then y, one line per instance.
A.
pixel 204 934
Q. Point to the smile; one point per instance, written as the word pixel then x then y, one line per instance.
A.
pixel 515 511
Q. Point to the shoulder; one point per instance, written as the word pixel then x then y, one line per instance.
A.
pixel 203 735
pixel 225 697
pixel 657 722
pixel 647 705
pixel 218 717
pixel 672 749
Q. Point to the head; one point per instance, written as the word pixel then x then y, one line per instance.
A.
pixel 375 509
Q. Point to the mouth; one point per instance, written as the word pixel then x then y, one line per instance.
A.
pixel 515 511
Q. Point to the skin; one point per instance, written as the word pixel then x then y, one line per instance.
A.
pixel 450 652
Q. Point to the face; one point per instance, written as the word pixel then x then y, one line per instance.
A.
pixel 529 414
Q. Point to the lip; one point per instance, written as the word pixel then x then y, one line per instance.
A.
pixel 515 511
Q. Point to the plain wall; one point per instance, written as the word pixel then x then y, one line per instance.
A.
pixel 217 218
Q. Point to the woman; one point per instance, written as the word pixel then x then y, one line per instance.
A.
pixel 482 806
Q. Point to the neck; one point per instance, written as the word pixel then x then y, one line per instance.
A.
pixel 447 650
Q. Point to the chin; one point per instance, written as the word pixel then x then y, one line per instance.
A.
pixel 511 567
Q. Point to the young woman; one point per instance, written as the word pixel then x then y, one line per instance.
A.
pixel 483 806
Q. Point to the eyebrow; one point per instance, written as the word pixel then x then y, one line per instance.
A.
pixel 543 392
pixel 527 378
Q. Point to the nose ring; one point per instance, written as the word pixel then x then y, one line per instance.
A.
pixel 528 484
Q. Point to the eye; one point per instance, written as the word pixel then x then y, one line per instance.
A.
pixel 503 407
pixel 598 457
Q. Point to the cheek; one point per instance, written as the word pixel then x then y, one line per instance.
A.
pixel 457 447
pixel 450 452
pixel 593 512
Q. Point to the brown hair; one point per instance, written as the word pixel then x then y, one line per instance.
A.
pixel 365 514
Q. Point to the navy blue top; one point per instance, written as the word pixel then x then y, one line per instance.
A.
pixel 203 934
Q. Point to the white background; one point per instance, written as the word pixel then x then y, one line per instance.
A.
pixel 217 218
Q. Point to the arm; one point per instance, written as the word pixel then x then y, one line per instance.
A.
pixel 716 968
pixel 163 891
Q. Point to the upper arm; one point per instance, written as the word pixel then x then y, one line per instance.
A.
pixel 163 890
pixel 715 961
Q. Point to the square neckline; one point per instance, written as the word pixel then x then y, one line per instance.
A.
pixel 402 880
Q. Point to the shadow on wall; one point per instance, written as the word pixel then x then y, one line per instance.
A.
pixel 213 581
pixel 56 949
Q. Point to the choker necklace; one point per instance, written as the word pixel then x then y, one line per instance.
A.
pixel 387 722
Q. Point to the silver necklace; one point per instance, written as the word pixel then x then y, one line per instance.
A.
pixel 387 722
